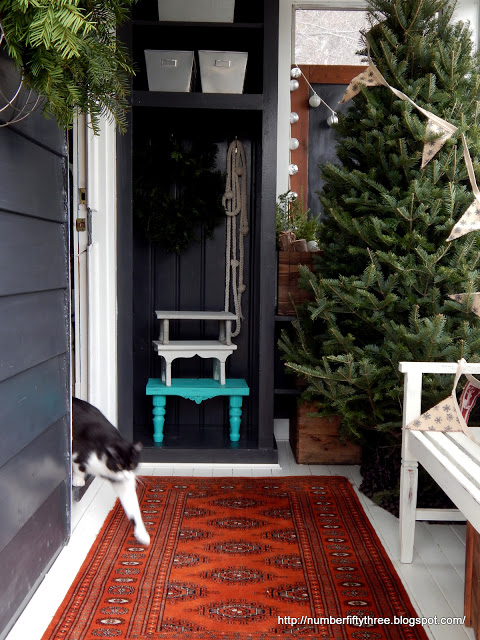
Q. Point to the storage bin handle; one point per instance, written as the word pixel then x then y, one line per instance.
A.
pixel 223 63
pixel 169 62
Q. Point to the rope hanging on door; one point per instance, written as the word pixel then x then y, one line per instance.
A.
pixel 235 202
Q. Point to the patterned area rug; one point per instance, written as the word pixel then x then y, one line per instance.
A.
pixel 239 559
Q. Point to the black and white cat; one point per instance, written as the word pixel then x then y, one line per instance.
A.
pixel 99 449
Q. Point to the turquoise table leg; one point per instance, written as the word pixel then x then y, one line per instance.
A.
pixel 158 417
pixel 235 417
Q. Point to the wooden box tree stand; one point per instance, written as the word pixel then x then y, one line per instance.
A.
pixel 315 440
pixel 289 293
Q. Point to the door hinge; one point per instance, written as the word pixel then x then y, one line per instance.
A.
pixel 81 224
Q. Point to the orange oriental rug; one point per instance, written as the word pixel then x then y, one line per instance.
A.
pixel 239 559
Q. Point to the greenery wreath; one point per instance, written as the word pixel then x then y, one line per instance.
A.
pixel 68 53
pixel 177 192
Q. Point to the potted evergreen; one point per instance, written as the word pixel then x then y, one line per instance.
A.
pixel 297 245
pixel 382 293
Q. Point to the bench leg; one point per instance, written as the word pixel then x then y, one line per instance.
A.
pixel 235 417
pixel 158 417
pixel 408 506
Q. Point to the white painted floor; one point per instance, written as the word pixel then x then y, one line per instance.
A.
pixel 434 581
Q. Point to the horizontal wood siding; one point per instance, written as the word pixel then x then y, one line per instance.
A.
pixel 46 253
pixel 44 468
pixel 32 330
pixel 32 398
pixel 23 559
pixel 34 353
pixel 35 176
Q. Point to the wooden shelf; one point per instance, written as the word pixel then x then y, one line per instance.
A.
pixel 243 101
pixel 198 25
pixel 197 432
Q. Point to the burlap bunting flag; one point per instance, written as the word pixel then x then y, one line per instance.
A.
pixel 441 417
pixel 446 415
pixel 460 297
pixel 434 146
pixel 470 221
pixel 371 77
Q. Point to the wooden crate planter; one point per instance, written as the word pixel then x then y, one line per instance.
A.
pixel 315 440
pixel 289 293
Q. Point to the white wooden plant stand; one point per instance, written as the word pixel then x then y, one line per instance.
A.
pixel 218 350
pixel 452 459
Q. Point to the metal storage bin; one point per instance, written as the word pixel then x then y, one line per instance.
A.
pixel 222 71
pixel 169 70
pixel 196 10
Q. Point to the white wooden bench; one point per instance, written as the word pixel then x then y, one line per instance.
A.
pixel 452 459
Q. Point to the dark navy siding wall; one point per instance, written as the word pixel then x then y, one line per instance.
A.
pixel 34 354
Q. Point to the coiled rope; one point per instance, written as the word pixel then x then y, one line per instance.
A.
pixel 235 202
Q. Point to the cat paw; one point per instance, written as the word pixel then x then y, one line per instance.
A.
pixel 142 536
pixel 78 482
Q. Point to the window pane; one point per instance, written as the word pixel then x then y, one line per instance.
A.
pixel 328 37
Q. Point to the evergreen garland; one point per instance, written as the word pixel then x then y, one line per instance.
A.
pixel 177 192
pixel 382 286
pixel 67 52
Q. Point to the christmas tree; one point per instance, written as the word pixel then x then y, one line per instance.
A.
pixel 382 288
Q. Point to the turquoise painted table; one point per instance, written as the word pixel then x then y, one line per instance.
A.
pixel 198 390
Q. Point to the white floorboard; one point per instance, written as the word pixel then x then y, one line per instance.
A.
pixel 434 581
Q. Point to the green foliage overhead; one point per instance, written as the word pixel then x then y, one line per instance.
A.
pixel 68 53
pixel 382 287
pixel 177 192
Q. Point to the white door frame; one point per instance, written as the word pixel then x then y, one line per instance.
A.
pixel 95 266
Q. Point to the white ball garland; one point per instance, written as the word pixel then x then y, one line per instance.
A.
pixel 294 144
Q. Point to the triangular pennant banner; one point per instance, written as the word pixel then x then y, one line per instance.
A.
pixel 446 415
pixel 371 77
pixel 441 417
pixel 475 297
pixel 470 221
pixel 434 146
